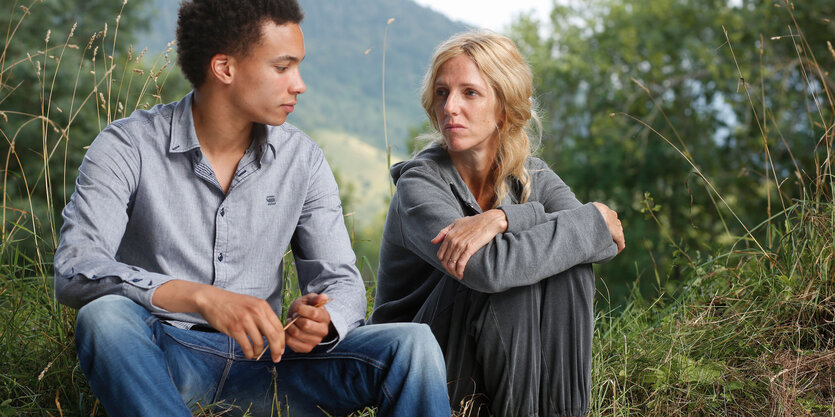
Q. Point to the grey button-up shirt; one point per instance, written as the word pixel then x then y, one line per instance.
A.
pixel 147 209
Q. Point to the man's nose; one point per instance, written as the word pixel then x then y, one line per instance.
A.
pixel 298 86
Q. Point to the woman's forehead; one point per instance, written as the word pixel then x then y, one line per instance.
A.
pixel 460 69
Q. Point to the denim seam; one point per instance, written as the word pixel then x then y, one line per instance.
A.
pixel 150 322
pixel 365 359
pixel 230 360
pixel 386 392
pixel 200 348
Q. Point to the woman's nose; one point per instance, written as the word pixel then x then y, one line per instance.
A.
pixel 451 105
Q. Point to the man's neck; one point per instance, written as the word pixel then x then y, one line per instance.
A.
pixel 218 131
pixel 224 136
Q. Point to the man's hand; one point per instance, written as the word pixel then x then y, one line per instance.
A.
pixel 246 319
pixel 311 323
pixel 465 236
pixel 615 228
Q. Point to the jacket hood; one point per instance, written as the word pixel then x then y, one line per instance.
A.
pixel 433 155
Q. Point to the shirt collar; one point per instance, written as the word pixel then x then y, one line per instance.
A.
pixel 184 136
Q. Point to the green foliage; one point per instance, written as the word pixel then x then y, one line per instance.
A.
pixel 749 335
pixel 58 89
pixel 60 83
pixel 654 97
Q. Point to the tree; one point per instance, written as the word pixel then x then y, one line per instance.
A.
pixel 614 76
pixel 67 69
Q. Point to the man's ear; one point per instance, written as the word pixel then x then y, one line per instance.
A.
pixel 220 68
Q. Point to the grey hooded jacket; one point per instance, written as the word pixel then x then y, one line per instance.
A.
pixel 549 234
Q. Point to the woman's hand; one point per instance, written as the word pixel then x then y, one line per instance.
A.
pixel 615 228
pixel 464 236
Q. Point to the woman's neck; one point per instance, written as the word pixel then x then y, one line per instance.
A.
pixel 478 172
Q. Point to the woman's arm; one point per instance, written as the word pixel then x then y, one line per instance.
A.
pixel 461 239
pixel 569 237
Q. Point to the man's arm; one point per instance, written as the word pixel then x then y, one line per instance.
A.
pixel 322 251
pixel 94 223
pixel 246 319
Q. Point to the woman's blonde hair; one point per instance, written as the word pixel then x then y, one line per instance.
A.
pixel 503 68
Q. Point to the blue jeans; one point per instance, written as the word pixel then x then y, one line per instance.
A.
pixel 138 365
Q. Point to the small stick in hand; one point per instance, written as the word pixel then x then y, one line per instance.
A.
pixel 290 323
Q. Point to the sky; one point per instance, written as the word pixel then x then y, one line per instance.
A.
pixel 489 14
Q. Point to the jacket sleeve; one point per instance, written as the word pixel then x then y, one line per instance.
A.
pixel 549 195
pixel 322 250
pixel 569 237
pixel 94 224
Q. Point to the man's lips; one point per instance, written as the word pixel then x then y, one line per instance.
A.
pixel 289 107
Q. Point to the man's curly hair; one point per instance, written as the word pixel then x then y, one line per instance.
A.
pixel 206 28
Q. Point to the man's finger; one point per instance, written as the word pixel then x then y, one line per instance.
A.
pixel 318 299
pixel 243 342
pixel 308 330
pixel 274 332
pixel 309 299
pixel 256 339
pixel 309 312
pixel 302 344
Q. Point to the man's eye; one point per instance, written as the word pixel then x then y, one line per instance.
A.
pixel 280 69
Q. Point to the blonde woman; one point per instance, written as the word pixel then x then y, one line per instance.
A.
pixel 488 246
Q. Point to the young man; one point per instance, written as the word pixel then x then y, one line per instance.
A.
pixel 173 241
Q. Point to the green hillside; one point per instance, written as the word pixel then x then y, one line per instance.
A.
pixel 362 170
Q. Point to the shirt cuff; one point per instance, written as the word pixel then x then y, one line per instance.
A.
pixel 341 330
pixel 143 295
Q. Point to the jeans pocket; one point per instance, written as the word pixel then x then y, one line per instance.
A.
pixel 211 343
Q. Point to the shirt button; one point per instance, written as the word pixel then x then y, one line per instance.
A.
pixel 222 211
pixel 220 257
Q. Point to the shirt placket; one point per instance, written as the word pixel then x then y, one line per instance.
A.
pixel 221 254
pixel 224 220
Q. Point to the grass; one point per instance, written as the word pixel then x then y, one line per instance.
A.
pixel 749 335
pixel 752 332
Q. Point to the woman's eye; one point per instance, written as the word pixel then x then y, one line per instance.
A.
pixel 471 92
pixel 441 93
